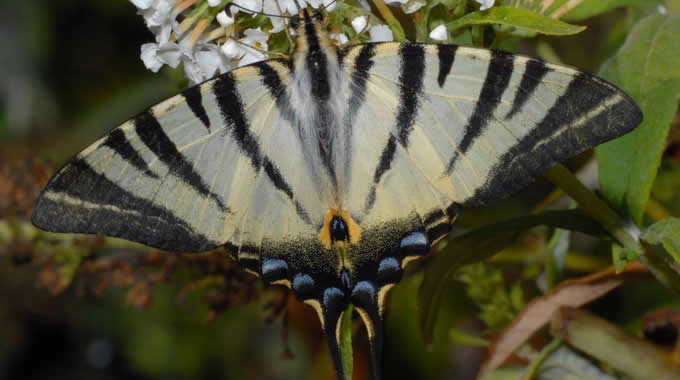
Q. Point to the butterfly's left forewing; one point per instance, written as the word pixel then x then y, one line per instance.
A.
pixel 456 125
pixel 437 126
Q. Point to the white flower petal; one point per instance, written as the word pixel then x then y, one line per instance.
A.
pixel 485 4
pixel 224 19
pixel 251 56
pixel 256 38
pixel 159 13
pixel 214 3
pixel 186 47
pixel 277 24
pixel 439 33
pixel 338 38
pixel 249 5
pixel 286 6
pixel 142 4
pixel 193 72
pixel 412 6
pixel 163 32
pixel 170 54
pixel 256 35
pixel 359 23
pixel 395 2
pixel 380 33
pixel 150 57
pixel 209 61
pixel 232 50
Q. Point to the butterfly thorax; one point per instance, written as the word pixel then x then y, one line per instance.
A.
pixel 319 89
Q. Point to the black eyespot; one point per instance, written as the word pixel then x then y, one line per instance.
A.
pixel 303 285
pixel 389 271
pixel 274 270
pixel 338 229
pixel 415 243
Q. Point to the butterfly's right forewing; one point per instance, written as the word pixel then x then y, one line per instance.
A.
pixel 192 173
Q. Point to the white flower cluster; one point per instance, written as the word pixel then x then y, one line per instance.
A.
pixel 185 32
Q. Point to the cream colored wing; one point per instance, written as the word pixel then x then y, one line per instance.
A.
pixel 457 125
pixel 218 164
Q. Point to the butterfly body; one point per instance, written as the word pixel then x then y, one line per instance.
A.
pixel 330 171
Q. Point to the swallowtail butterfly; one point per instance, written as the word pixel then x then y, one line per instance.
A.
pixel 328 172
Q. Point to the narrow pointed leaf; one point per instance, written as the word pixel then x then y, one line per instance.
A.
pixel 518 18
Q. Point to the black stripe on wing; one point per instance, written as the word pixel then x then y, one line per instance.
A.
pixel 446 55
pixel 384 165
pixel 117 141
pixel 360 70
pixel 496 82
pixel 102 207
pixel 555 138
pixel 362 65
pixel 233 112
pixel 411 85
pixel 411 81
pixel 152 135
pixel 534 72
pixel 271 80
pixel 194 101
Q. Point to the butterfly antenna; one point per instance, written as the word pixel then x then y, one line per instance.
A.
pixel 326 6
pixel 260 13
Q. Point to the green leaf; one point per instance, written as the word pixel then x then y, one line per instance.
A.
pixel 667 233
pixel 667 184
pixel 466 339
pixel 621 256
pixel 647 67
pixel 673 5
pixel 590 8
pixel 481 244
pixel 522 19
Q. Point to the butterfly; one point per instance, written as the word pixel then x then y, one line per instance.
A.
pixel 329 171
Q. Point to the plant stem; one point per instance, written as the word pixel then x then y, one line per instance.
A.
pixel 346 342
pixel 545 352
pixel 390 20
pixel 595 207
pixel 627 234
